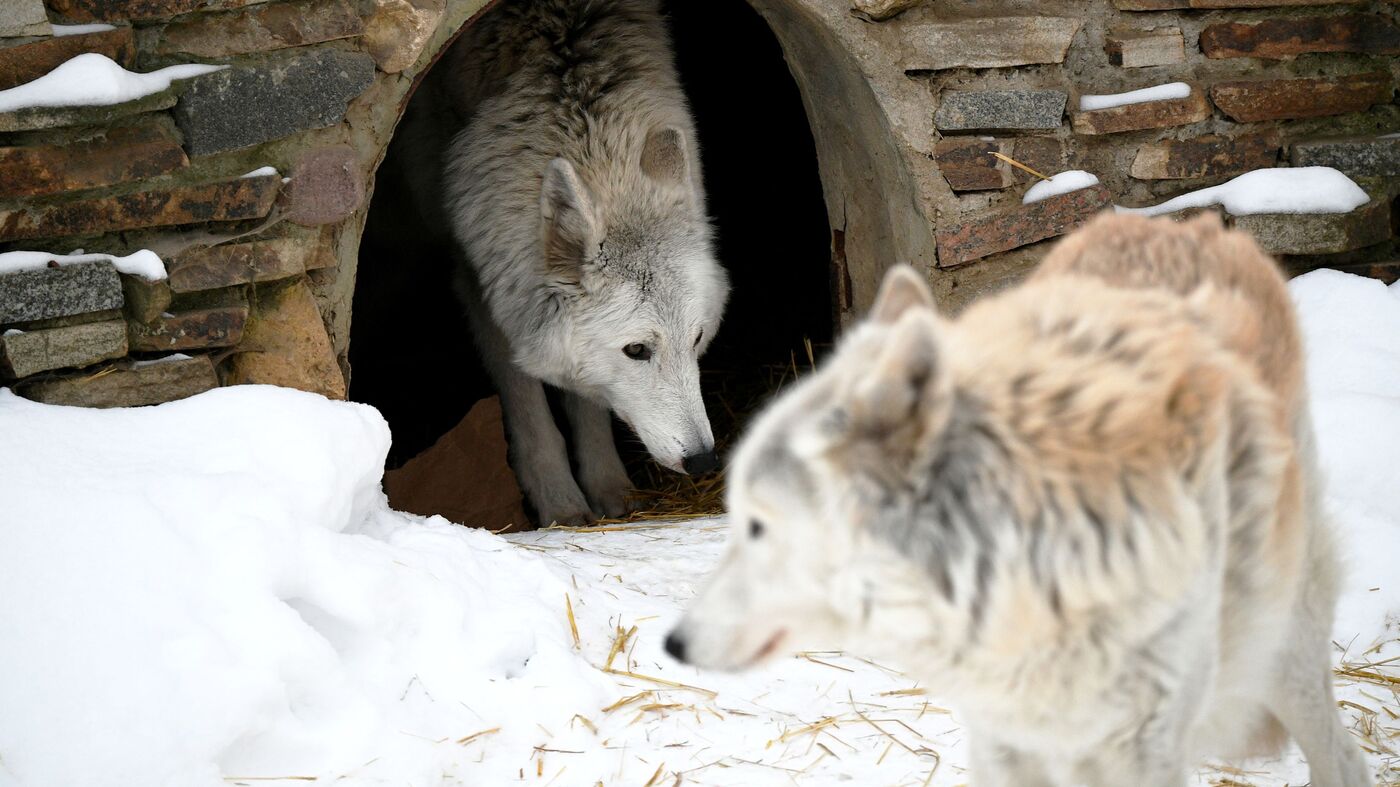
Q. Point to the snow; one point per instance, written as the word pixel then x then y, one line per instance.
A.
pixel 1156 93
pixel 1063 183
pixel 12 332
pixel 1277 190
pixel 156 361
pixel 213 590
pixel 259 172
pixel 141 263
pixel 91 79
pixel 77 30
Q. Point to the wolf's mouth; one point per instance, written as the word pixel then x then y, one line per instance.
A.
pixel 769 646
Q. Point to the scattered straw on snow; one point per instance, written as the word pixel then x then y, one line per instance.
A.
pixel 91 79
pixel 1278 190
pixel 141 263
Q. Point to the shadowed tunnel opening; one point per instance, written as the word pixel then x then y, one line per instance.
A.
pixel 411 351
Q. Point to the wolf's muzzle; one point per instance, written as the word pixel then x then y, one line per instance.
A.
pixel 675 645
pixel 695 464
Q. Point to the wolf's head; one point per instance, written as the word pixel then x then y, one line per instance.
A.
pixel 638 294
pixel 822 469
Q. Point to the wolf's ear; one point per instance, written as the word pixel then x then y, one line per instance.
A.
pixel 903 289
pixel 890 412
pixel 569 226
pixel 663 155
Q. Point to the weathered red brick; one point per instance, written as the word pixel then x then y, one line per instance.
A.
pixel 132 10
pixel 980 237
pixel 1140 48
pixel 126 385
pixel 260 28
pixel 1209 156
pixel 27 62
pixel 232 264
pixel 1280 99
pixel 233 200
pixel 124 154
pixel 1148 114
pixel 967 163
pixel 1284 39
pixel 221 326
pixel 327 186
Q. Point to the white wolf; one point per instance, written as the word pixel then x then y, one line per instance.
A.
pixel 1086 511
pixel 570 178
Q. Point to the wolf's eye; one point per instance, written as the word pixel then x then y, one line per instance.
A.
pixel 637 351
pixel 698 337
pixel 755 528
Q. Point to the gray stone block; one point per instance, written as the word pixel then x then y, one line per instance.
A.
pixel 59 292
pixel 243 106
pixel 999 110
pixel 1366 157
pixel 31 352
pixel 23 18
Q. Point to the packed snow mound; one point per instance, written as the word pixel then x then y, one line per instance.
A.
pixel 91 79
pixel 1063 183
pixel 1277 190
pixel 1155 93
pixel 143 263
pixel 214 587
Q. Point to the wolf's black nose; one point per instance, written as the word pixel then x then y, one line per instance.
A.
pixel 675 645
pixel 695 464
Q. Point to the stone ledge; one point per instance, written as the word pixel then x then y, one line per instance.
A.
pixel 232 200
pixel 1159 46
pixel 990 42
pixel 258 28
pixel 31 352
pixel 1319 233
pixel 128 385
pixel 36 118
pixel 136 10
pixel 1020 226
pixel 199 329
pixel 1374 157
pixel 125 154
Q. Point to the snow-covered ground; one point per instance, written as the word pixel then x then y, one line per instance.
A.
pixel 213 592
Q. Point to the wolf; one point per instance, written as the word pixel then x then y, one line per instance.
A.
pixel 1087 511
pixel 555 144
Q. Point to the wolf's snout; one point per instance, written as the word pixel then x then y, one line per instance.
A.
pixel 703 462
pixel 675 645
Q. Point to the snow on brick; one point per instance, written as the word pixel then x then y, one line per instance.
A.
pixel 91 79
pixel 1063 183
pixel 1170 90
pixel 141 263
pixel 1276 190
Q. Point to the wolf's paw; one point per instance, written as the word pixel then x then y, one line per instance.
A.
pixel 565 516
pixel 608 493
pixel 565 506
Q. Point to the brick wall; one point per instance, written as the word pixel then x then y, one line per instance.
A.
pixel 908 103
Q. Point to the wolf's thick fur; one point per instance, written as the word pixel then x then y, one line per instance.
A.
pixel 1087 511
pixel 555 143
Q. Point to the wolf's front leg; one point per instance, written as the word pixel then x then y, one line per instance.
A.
pixel 600 470
pixel 537 451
